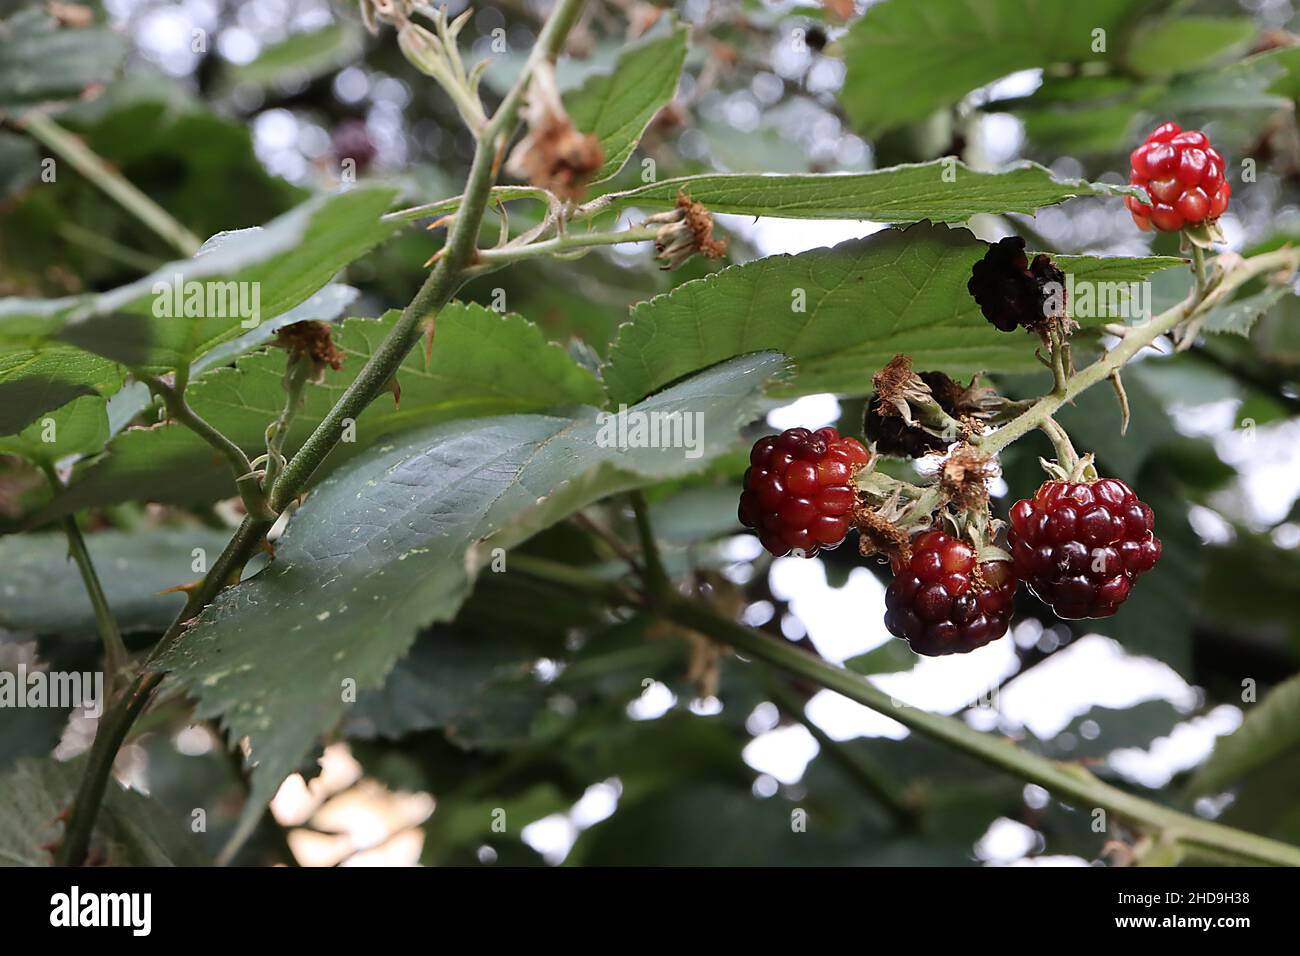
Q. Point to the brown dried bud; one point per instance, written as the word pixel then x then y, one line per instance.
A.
pixel 965 477
pixel 685 230
pixel 313 340
pixel 554 155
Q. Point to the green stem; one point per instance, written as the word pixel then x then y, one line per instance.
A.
pixel 579 242
pixel 1198 270
pixel 383 364
pixel 173 398
pixel 656 578
pixel 863 772
pixel 115 653
pixel 85 161
pixel 1066 456
pixel 1068 781
pixel 1137 338
pixel 296 373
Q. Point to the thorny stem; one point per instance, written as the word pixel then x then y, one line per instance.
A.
pixel 1135 339
pixel 1068 781
pixel 297 371
pixel 85 161
pixel 489 259
pixel 115 653
pixel 436 291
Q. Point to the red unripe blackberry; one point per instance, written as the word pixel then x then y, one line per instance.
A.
pixel 798 490
pixel 1183 175
pixel 1081 545
pixel 940 602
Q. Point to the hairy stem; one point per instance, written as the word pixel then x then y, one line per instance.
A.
pixel 1135 339
pixel 85 161
pixel 579 242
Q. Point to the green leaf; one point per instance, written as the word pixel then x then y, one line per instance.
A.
pixel 41 590
pixel 42 61
pixel 944 190
pixel 391 542
pixel 1186 43
pixel 1239 316
pixel 33 381
pixel 77 428
pixel 482 363
pixel 906 59
pixel 1270 730
pixel 616 107
pixel 131 830
pixel 276 268
pixel 839 313
pixel 302 56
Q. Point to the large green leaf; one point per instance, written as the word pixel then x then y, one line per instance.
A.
pixel 1271 729
pixel 42 61
pixel 616 107
pixel 944 190
pixel 862 302
pixel 129 831
pixel 77 428
pixel 391 543
pixel 482 363
pixel 41 590
pixel 906 59
pixel 276 268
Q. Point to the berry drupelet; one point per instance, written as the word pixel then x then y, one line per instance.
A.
pixel 1183 174
pixel 1081 545
pixel 798 491
pixel 942 602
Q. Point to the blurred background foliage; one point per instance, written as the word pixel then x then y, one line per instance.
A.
pixel 602 740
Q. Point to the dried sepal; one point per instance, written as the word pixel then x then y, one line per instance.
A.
pixel 685 230
pixel 554 155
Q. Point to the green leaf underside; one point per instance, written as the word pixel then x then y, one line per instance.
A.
pixel 303 56
pixel 41 590
pixel 391 542
pixel 1271 729
pixel 482 363
pixel 905 193
pixel 281 264
pixel 864 301
pixel 129 830
pixel 906 59
pixel 34 381
pixel 617 107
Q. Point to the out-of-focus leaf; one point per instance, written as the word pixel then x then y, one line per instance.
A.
pixel 42 61
pixel 41 590
pixel 1271 730
pixel 129 831
pixel 1186 43
pixel 302 56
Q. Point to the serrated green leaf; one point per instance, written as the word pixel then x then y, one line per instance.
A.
pixel 1270 730
pixel 944 190
pixel 390 543
pixel 276 268
pixel 77 428
pixel 616 107
pixel 482 363
pixel 41 590
pixel 907 59
pixel 129 831
pixel 1239 316
pixel 1186 43
pixel 839 313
